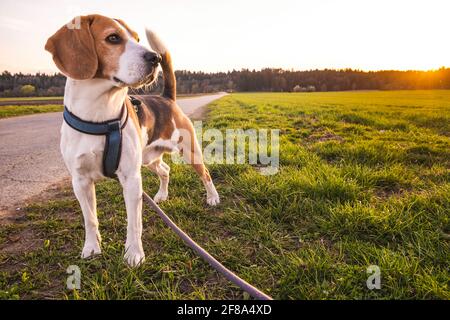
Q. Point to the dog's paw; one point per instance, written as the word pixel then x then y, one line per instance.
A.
pixel 134 256
pixel 213 200
pixel 90 249
pixel 160 197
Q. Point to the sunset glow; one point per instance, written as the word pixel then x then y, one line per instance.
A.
pixel 220 36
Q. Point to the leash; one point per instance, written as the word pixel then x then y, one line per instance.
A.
pixel 244 285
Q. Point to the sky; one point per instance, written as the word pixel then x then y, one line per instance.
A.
pixel 209 35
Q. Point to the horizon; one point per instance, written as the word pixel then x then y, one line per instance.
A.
pixel 221 37
pixel 253 70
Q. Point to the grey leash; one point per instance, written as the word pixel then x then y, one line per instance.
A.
pixel 247 287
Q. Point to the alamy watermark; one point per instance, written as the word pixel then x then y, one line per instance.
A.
pixel 257 147
pixel 374 279
pixel 75 23
pixel 74 279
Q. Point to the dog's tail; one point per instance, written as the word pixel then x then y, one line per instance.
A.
pixel 170 83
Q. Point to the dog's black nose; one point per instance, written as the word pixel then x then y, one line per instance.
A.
pixel 152 58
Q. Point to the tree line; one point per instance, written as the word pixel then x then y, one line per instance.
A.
pixel 269 79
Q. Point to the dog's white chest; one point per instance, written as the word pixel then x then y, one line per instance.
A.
pixel 82 153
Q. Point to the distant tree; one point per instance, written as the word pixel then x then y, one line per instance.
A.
pixel 268 79
pixel 54 91
pixel 230 86
pixel 27 90
pixel 297 88
pixel 195 88
pixel 336 87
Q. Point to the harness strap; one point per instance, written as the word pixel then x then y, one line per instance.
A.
pixel 113 148
pixel 112 129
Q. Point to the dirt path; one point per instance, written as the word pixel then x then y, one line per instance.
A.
pixel 30 160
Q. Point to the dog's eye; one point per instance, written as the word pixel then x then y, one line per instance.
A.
pixel 113 38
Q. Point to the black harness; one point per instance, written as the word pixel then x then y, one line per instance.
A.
pixel 112 129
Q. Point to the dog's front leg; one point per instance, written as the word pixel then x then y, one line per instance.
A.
pixel 132 191
pixel 85 192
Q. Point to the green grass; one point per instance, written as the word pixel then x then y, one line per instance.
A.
pixel 14 111
pixel 29 98
pixel 364 179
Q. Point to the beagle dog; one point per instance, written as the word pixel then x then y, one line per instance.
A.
pixel 102 58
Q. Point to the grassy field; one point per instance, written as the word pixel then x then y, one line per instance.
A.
pixel 364 180
pixel 14 111
pixel 6 99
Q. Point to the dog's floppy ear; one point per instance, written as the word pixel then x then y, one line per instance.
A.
pixel 73 49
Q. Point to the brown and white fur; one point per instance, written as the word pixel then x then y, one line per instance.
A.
pixel 101 59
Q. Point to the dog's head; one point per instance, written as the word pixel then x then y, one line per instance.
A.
pixel 95 46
